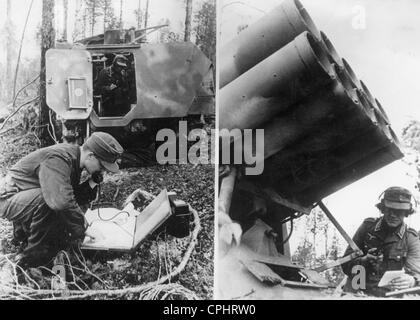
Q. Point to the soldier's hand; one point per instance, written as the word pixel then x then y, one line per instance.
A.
pixel 370 258
pixel 112 86
pixel 77 243
pixel 403 282
pixel 94 234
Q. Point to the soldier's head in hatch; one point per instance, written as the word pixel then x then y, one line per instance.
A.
pixel 100 152
pixel 120 63
pixel 395 205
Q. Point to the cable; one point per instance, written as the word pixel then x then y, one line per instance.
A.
pixel 290 233
pixel 113 217
pixel 99 213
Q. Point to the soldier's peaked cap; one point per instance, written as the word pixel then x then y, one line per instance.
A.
pixel 121 60
pixel 106 148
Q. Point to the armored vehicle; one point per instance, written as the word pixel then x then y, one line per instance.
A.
pixel 164 83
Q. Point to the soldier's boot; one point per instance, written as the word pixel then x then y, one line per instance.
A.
pixel 20 236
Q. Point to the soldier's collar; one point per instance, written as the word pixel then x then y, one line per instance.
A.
pixel 399 232
pixel 402 230
pixel 378 225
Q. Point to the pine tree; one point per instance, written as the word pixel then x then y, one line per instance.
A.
pixel 205 29
pixel 66 15
pixel 139 15
pixel 9 47
pixel 121 14
pixel 79 22
pixel 94 10
pixel 411 139
pixel 146 14
pixel 47 42
pixel 188 14
pixel 110 20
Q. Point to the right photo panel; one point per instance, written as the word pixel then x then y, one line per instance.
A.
pixel 319 141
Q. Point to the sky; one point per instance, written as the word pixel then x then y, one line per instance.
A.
pixel 384 51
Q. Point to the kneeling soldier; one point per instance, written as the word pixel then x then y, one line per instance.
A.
pixel 42 194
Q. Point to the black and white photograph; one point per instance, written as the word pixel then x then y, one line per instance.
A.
pixel 107 109
pixel 201 150
pixel 330 90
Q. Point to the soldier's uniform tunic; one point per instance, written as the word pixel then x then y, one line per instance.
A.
pixel 117 101
pixel 400 249
pixel 45 205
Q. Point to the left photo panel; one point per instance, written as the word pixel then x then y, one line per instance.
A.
pixel 107 148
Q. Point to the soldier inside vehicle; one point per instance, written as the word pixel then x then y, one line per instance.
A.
pixel 114 84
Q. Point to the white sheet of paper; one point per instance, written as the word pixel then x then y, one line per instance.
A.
pixel 124 229
pixel 389 276
pixel 118 232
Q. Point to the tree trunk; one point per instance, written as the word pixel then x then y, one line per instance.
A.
pixel 47 41
pixel 105 16
pixel 93 18
pixel 326 241
pixel 66 9
pixel 9 50
pixel 121 14
pixel 139 16
pixel 187 34
pixel 20 50
pixel 146 14
pixel 314 235
pixel 84 22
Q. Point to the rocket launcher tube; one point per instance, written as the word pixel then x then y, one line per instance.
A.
pixel 272 86
pixel 261 39
pixel 333 55
pixel 307 117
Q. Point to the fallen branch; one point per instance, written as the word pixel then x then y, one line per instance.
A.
pixel 52 134
pixel 20 47
pixel 167 290
pixel 20 90
pixel 8 130
pixel 16 111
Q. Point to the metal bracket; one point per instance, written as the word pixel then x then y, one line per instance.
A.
pixel 338 262
pixel 340 229
pixel 356 251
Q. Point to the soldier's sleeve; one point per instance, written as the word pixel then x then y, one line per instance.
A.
pixel 101 85
pixel 132 87
pixel 412 265
pixel 54 178
pixel 358 238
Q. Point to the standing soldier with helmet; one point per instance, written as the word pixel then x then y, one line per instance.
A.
pixel 388 244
